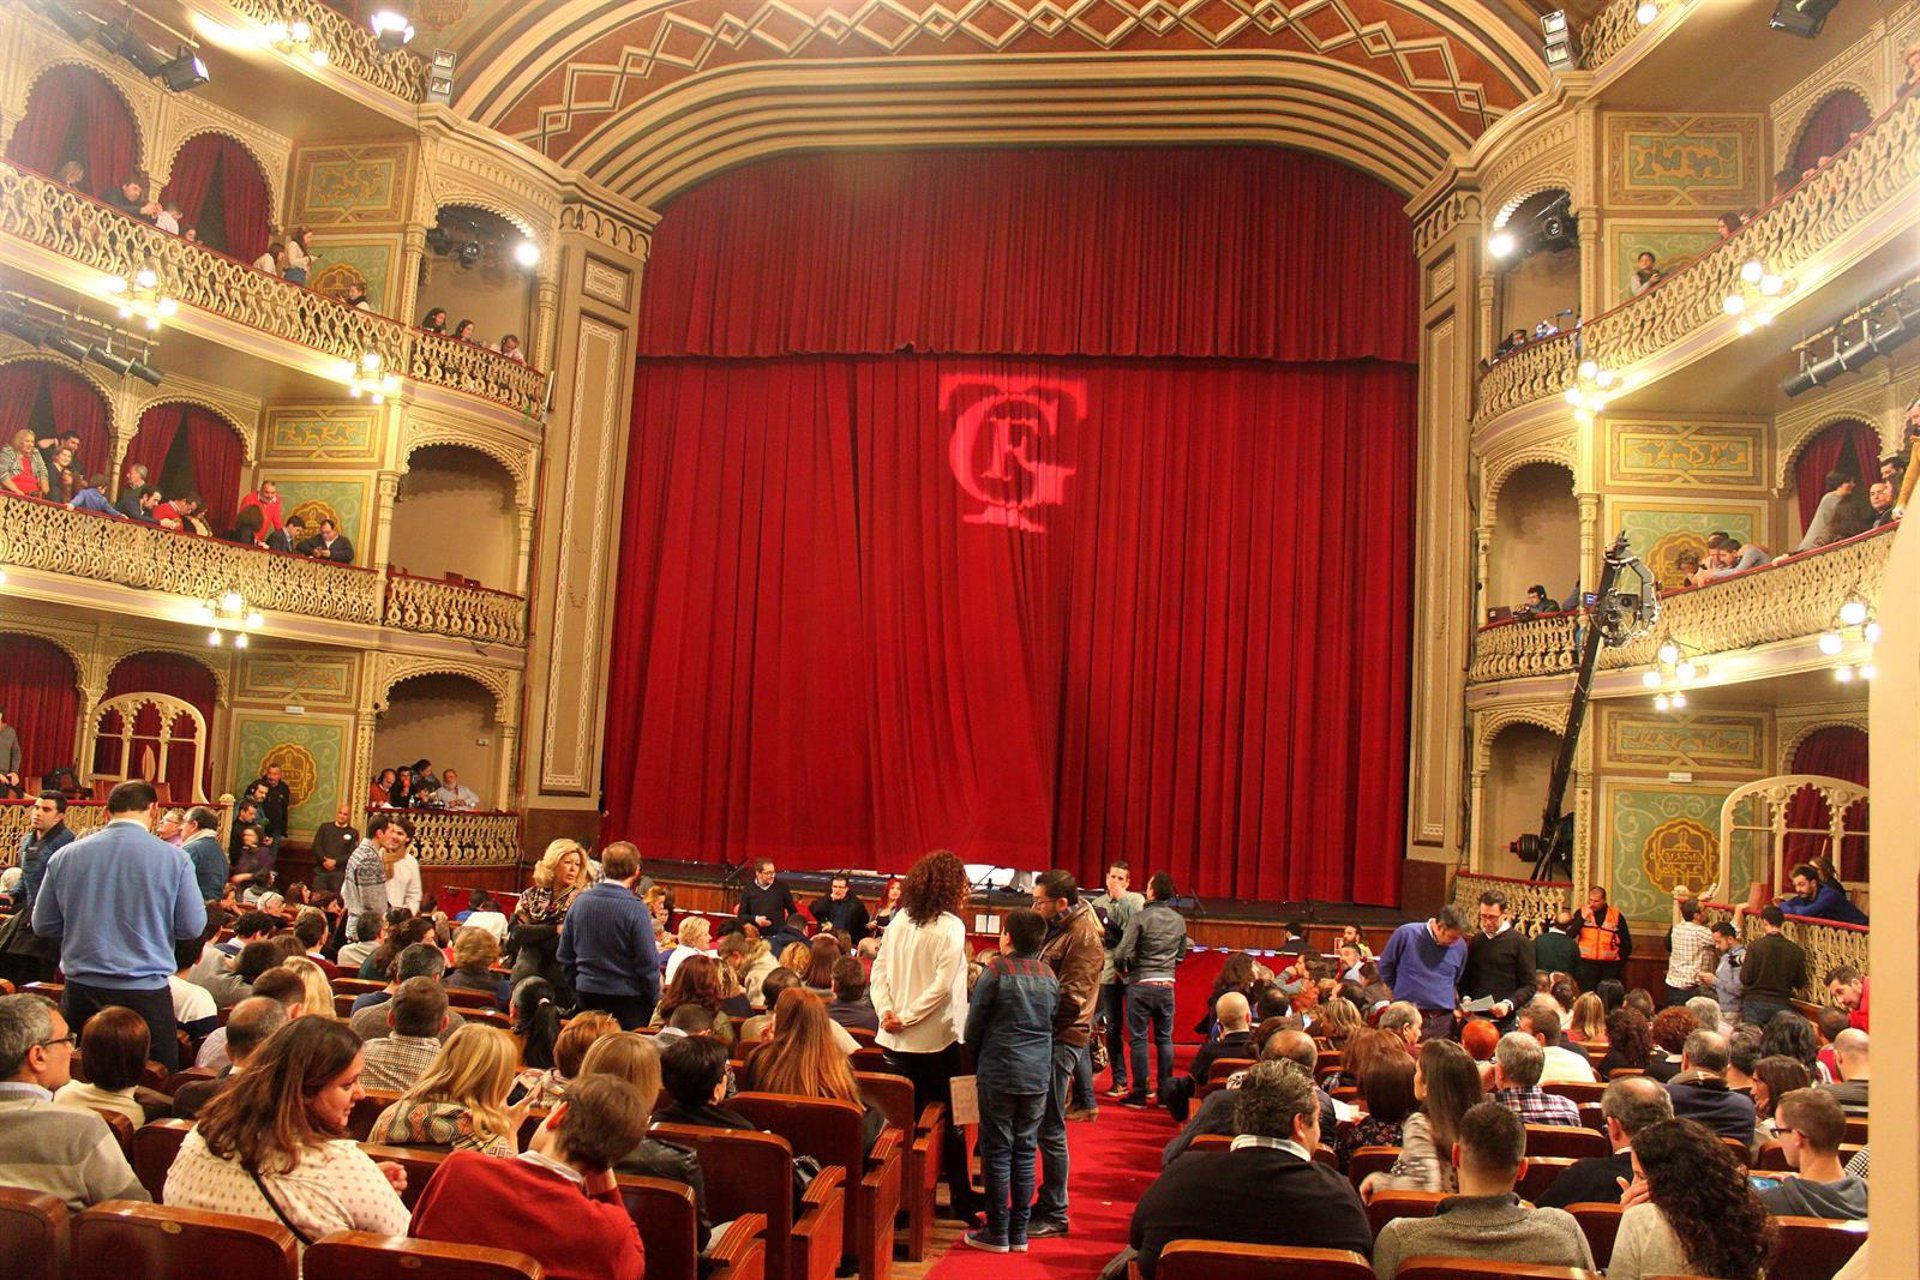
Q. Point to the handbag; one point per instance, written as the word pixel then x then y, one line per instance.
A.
pixel 1097 1045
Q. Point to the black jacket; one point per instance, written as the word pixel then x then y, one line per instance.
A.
pixel 1589 1181
pixel 1231 1044
pixel 704 1116
pixel 274 808
pixel 1216 1116
pixel 849 913
pixel 1258 1195
pixel 774 902
pixel 656 1159
pixel 1154 942
pixel 1708 1100
pixel 340 550
pixel 1501 966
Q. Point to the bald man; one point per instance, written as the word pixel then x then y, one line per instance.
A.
pixel 1275 1039
pixel 1850 1055
pixel 1235 1017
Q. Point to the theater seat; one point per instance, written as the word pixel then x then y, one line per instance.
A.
pixel 1388 1205
pixel 1542 1172
pixel 1432 1268
pixel 421 1163
pixel 362 1255
pixel 1814 1248
pixel 1565 1140
pixel 1371 1160
pixel 664 1212
pixel 154 1146
pixel 751 1173
pixel 921 1136
pixel 1600 1223
pixel 1219 1260
pixel 366 1111
pixel 33 1234
pixel 122 1129
pixel 120 1240
pixel 829 1131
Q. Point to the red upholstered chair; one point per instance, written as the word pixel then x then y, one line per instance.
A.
pixel 463 999
pixel 33 1234
pixel 1432 1268
pixel 421 1163
pixel 1814 1248
pixel 362 1255
pixel 1600 1223
pixel 920 1137
pixel 1224 1067
pixel 829 1131
pixel 488 1018
pixel 751 1173
pixel 1741 1151
pixel 1576 1091
pixel 1219 1260
pixel 1542 1172
pixel 1371 1160
pixel 1388 1205
pixel 120 1240
pixel 1565 1140
pixel 155 1145
pixel 1211 1142
pixel 186 1077
pixel 1593 1117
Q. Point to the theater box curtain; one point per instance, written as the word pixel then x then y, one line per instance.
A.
pixel 1096 549
pixel 39 694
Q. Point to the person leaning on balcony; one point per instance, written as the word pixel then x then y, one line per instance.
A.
pixel 267 498
pixel 1729 556
pixel 22 470
pixel 130 198
pixel 1880 498
pixel 1833 520
pixel 510 348
pixel 356 297
pixel 92 496
pixel 1538 602
pixel 1910 57
pixel 452 795
pixel 1645 276
pixel 1692 572
pixel 328 544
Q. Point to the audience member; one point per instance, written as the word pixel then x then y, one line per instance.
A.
pixel 1277 1040
pixel 1537 602
pixel 607 948
pixel 248 1026
pixel 113 1052
pixel 1812 1127
pixel 1723 979
pixel 635 1060
pixel 1774 968
pixel 536 1021
pixel 1560 1065
pixel 1587 1023
pixel 1500 960
pixel 195 1010
pixel 1116 908
pixel 1480 1039
pixel 1422 963
pixel 1517 1064
pixel 546 1086
pixel 1386 1085
pixel 1689 1210
pixel 460 1102
pixel 1689 943
pixel 416 1019
pixel 454 795
pixel 1850 1056
pixel 1700 1089
pixel 1706 1014
pixel 1606 943
pixel 1017 1067
pixel 1671 1027
pixel 1074 949
pixel 363 890
pixel 1557 950
pixel 1152 944
pixel 1630 1104
pixel 1834 519
pixel 1847 988
pixel 1447 1083
pixel 694 1073
pixel 1486 1221
pixel 559 878
pixel 1774 1077
pixel 766 903
pixel 418 960
pixel 69 1154
pixel 1817 898
pixel 328 544
pixel 475 951
pixel 849 1006
pixel 801 1058
pixel 510 348
pixel 698 982
pixel 840 908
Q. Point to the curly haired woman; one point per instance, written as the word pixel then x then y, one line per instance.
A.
pixel 1690 1210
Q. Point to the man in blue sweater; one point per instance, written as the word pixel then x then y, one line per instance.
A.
pixel 118 900
pixel 607 946
pixel 1422 965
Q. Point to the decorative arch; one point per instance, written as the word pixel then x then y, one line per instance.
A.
pixel 1795 442
pixel 168 710
pixel 88 373
pixel 1790 742
pixel 1490 725
pixel 133 648
pixel 393 669
pixel 456 188
pixel 1774 797
pixel 163 397
pixel 269 171
pixel 1554 180
pixel 62 640
pixel 1558 452
pixel 142 134
pixel 420 434
pixel 1843 108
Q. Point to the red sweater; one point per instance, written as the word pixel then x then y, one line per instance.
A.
pixel 512 1204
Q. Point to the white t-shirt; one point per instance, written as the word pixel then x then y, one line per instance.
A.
pixel 678 954
pixel 191 1003
pixel 335 1187
pixel 492 921
pixel 920 976
pixel 403 886
pixel 1566 1066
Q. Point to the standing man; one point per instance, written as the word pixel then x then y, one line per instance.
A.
pixel 267 498
pixel 1499 961
pixel 840 908
pixel 201 844
pixel 363 891
pixel 333 844
pixel 1116 907
pixel 1605 944
pixel 1555 950
pixel 10 784
pixel 276 803
pixel 1075 951
pixel 1724 977
pixel 25 956
pixel 1775 967
pixel 118 900
pixel 766 903
pixel 404 888
pixel 1689 951
pixel 1154 942
pixel 606 947
pixel 1422 964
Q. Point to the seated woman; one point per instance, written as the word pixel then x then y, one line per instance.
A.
pixel 460 1104
pixel 274 1146
pixel 319 998
pixel 630 1056
pixel 1773 1079
pixel 113 1051
pixel 1629 1041
pixel 751 960
pixel 548 1087
pixel 1690 1209
pixel 475 952
pixel 1447 1084
pixel 1588 1024
pixel 697 981
pixel 1671 1027
pixel 823 954
pixel 802 1058
pixel 536 1022
pixel 1387 1084
pixel 695 938
pixel 1339 1019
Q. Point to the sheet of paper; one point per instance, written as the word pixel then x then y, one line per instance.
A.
pixel 966 1100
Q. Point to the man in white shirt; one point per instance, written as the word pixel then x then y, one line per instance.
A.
pixel 1541 1019
pixel 1689 949
pixel 403 881
pixel 452 795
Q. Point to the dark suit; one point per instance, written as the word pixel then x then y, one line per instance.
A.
pixel 1708 1100
pixel 775 902
pixel 1589 1181
pixel 340 551
pixel 849 914
pixel 1216 1116
pixel 194 1095
pixel 1256 1195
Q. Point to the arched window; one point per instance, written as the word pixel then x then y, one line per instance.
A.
pixel 1840 115
pixel 74 114
pixel 177 676
pixel 188 449
pixel 1848 445
pixel 40 698
pixel 223 195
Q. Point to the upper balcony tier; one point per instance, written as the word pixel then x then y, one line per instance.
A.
pixel 1841 212
pixel 54 219
pixel 352 50
pixel 61 544
pixel 1797 600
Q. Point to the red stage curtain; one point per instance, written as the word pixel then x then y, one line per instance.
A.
pixel 177 676
pixel 39 694
pixel 153 439
pixel 1837 751
pixel 1254 252
pixel 71 102
pixel 1200 666
pixel 246 205
pixel 1851 446
pixel 74 403
pixel 219 455
pixel 1842 114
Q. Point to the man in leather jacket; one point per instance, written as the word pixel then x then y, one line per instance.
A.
pixel 1154 942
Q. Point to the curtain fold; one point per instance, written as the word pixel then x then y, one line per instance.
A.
pixel 1837 751
pixel 71 104
pixel 1842 114
pixel 1850 446
pixel 20 386
pixel 180 677
pixel 193 169
pixel 1215 252
pixel 39 691
pixel 78 406
pixel 153 439
pixel 245 202
pixel 219 456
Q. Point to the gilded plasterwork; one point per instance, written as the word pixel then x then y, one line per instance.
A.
pixel 1695 455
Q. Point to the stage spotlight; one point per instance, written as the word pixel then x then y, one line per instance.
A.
pixel 26 328
pixel 105 356
pixel 146 373
pixel 439 241
pixel 469 253
pixel 185 71
pixel 1803 18
pixel 121 39
pixel 67 345
pixel 1890 334
pixel 440 76
pixel 1501 244
pixel 392 27
pixel 1562 53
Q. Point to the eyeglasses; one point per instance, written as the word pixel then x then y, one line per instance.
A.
pixel 69 1039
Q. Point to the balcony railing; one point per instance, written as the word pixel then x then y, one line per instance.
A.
pixel 1789 601
pixel 1608 32
pixel 1867 177
pixel 83 817
pixel 1534 902
pixel 442 838
pixel 351 47
pixel 1828 944
pixel 53 539
pixel 36 209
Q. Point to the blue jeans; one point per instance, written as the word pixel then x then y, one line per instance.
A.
pixel 1052 1206
pixel 1082 1097
pixel 1150 1008
pixel 1113 1008
pixel 1008 1124
pixel 1759 1010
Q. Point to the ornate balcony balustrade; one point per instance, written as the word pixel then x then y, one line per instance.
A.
pixel 1533 902
pixel 42 212
pixel 1875 172
pixel 1608 32
pixel 79 544
pixel 1761 606
pixel 83 818
pixel 1828 944
pixel 446 839
pixel 351 47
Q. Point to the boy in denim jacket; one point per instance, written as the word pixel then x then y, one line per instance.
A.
pixel 1010 1028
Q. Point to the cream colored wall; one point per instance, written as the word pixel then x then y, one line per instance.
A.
pixel 495 294
pixel 1537 289
pixel 442 719
pixel 454 512
pixel 1536 535
pixel 1519 763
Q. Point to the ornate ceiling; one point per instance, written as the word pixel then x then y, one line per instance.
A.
pixel 647 97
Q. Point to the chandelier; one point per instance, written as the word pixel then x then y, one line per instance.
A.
pixel 365 378
pixel 227 613
pixel 139 294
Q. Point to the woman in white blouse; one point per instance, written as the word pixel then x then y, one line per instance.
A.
pixel 1690 1210
pixel 919 989
pixel 275 1145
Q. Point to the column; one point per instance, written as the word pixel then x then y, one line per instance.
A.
pixel 388 485
pixel 405 303
pixel 1489 335
pixel 1590 541
pixel 1476 814
pixel 505 795
pixel 545 307
pixel 365 725
pixel 523 562
pixel 1592 277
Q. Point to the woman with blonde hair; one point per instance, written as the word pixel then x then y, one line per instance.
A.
pixel 1587 1024
pixel 802 1058
pixel 751 960
pixel 797 956
pixel 474 953
pixel 1338 1020
pixel 630 1056
pixel 694 938
pixel 460 1104
pixel 319 999
pixel 548 1087
pixel 534 936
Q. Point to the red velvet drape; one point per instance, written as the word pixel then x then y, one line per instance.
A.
pixel 1211 252
pixel 219 456
pixel 179 677
pixel 69 99
pixel 75 404
pixel 192 177
pixel 1841 115
pixel 153 439
pixel 246 205
pixel 39 694
pixel 1837 751
pixel 1850 446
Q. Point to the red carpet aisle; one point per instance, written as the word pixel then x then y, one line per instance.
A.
pixel 1114 1158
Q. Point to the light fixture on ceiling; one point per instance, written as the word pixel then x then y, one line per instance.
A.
pixel 226 613
pixel 392 26
pixel 368 378
pixel 1647 11
pixel 1803 18
pixel 184 71
pixel 1501 244
pixel 295 39
pixel 440 76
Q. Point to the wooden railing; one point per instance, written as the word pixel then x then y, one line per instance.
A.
pixel 445 838
pixel 82 544
pixel 1774 602
pixel 42 212
pixel 1828 944
pixel 1532 903
pixel 1876 172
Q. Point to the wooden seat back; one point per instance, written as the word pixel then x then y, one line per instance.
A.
pixel 664 1212
pixel 890 1095
pixel 1220 1260
pixel 869 1057
pixel 829 1130
pixel 33 1234
pixel 1600 1223
pixel 357 986
pixel 1856 1130
pixel 366 1111
pixel 747 1171
pixel 1221 1068
pixel 1370 1160
pixel 1565 1140
pixel 464 998
pixel 120 1240
pixel 343 1004
pixel 1575 1090
pixel 921 1136
pixel 1541 1173
pixel 421 1163
pixel 1433 1268
pixel 122 1129
pixel 1815 1248
pixel 1388 1205
pixel 363 1255
pixel 179 1079
pixel 154 1146
pixel 1593 1116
